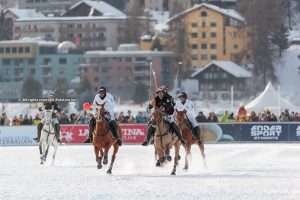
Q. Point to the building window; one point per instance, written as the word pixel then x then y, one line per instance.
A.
pixel 128 59
pixel 27 50
pixel 194 35
pixel 203 24
pixel 140 59
pixel 21 49
pixel 47 61
pixel 235 46
pixel 7 50
pixel 46 70
pixel 1 50
pixel 194 57
pixel 204 57
pixel 62 61
pixel 203 14
pixel 213 24
pixel 194 25
pixel 203 35
pixel 14 50
pixel 213 34
pixel 213 46
pixel 203 46
pixel 194 46
pixel 213 57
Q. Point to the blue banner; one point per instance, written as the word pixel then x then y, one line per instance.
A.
pixel 260 132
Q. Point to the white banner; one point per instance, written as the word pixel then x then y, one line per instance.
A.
pixel 17 135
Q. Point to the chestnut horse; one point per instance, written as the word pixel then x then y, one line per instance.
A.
pixel 164 140
pixel 103 140
pixel 185 128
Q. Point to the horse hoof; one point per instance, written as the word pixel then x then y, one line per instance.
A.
pixel 169 158
pixel 158 164
pixel 185 168
pixel 99 166
pixel 105 161
pixel 173 173
pixel 41 162
pixel 179 157
pixel 108 171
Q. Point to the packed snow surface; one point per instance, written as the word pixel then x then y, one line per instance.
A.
pixel 235 171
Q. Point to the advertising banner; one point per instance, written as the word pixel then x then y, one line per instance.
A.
pixel 18 135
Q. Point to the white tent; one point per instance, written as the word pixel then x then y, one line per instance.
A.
pixel 270 99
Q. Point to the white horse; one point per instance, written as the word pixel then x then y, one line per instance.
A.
pixel 47 137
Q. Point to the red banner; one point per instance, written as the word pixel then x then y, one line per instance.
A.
pixel 131 133
pixel 74 133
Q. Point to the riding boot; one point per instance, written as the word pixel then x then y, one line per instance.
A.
pixel 175 128
pixel 150 134
pixel 57 132
pixel 39 132
pixel 195 132
pixel 113 128
pixel 92 125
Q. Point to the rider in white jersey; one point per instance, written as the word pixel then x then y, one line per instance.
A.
pixel 183 103
pixel 103 97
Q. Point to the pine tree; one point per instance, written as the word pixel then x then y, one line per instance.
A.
pixel 280 39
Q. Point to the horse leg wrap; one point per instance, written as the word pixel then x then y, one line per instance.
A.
pixel 177 131
pixel 39 131
pixel 195 132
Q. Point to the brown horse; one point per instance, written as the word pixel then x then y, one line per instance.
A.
pixel 164 140
pixel 185 128
pixel 103 140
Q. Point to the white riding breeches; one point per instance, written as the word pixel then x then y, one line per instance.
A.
pixel 191 117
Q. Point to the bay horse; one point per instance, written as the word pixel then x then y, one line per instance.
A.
pixel 186 129
pixel 164 140
pixel 47 137
pixel 103 140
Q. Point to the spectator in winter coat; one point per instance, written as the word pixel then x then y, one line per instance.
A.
pixel 129 118
pixel 140 118
pixel 201 117
pixel 225 117
pixel 253 117
pixel 212 117
pixel 121 118
pixel 242 114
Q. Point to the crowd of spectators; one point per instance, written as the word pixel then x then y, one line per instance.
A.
pixel 142 117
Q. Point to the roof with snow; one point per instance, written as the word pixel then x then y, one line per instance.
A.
pixel 227 66
pixel 100 6
pixel 228 12
pixel 25 13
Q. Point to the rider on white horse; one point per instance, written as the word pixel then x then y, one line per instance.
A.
pixel 183 103
pixel 49 105
pixel 103 97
